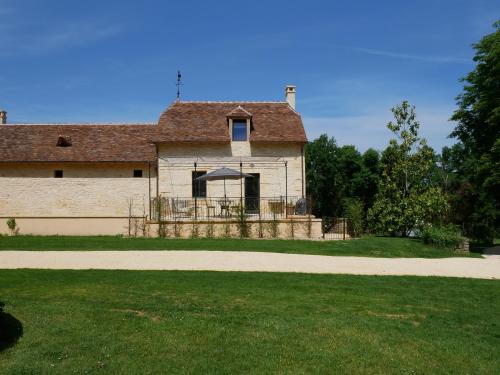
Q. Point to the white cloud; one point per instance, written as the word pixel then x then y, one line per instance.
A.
pixel 365 131
pixel 425 58
pixel 64 36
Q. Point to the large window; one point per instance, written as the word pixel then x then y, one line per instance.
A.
pixel 199 187
pixel 239 130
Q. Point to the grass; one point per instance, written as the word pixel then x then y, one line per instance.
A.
pixel 366 246
pixel 134 322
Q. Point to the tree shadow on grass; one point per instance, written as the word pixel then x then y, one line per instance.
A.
pixel 11 329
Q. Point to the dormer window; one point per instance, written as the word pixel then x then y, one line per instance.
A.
pixel 64 141
pixel 239 130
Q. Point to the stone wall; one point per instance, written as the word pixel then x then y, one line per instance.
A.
pixel 84 191
pixel 294 228
pixel 94 198
pixel 177 163
pixel 69 226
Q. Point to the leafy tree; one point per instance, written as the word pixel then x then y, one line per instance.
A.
pixel 365 182
pixel 478 128
pixel 453 168
pixel 349 164
pixel 335 173
pixel 324 183
pixel 354 211
pixel 407 197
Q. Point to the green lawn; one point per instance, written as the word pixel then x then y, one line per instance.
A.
pixel 134 322
pixel 366 246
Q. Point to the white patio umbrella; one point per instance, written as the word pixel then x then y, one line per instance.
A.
pixel 223 174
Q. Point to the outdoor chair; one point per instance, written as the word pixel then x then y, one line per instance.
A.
pixel 182 208
pixel 210 208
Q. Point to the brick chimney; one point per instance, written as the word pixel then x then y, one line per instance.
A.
pixel 3 117
pixel 290 95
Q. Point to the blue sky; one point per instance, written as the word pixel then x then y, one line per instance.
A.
pixel 116 61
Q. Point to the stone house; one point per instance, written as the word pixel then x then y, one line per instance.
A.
pixel 142 179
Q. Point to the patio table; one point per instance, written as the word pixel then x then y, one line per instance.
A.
pixel 225 207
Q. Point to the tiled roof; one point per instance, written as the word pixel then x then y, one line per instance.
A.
pixel 207 122
pixel 89 143
pixel 240 112
pixel 181 122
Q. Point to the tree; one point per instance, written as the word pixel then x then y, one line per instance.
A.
pixel 336 173
pixel 354 211
pixel 324 183
pixel 407 198
pixel 478 128
pixel 365 182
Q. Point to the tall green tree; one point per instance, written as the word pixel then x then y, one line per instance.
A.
pixel 324 182
pixel 365 182
pixel 478 129
pixel 407 197
pixel 335 174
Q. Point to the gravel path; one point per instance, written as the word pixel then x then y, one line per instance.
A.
pixel 486 268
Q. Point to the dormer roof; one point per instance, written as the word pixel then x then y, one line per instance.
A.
pixel 239 112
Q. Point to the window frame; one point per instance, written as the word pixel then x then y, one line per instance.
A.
pixel 239 122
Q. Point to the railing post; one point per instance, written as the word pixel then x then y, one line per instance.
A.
pixel 196 195
pixel 286 189
pixel 323 227
pixel 149 189
pixel 344 221
pixel 241 186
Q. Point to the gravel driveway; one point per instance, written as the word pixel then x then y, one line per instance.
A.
pixel 485 268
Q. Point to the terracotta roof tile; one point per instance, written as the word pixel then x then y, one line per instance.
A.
pixel 207 122
pixel 181 122
pixel 89 143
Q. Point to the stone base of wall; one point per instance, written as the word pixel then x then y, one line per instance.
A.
pixel 68 226
pixel 298 227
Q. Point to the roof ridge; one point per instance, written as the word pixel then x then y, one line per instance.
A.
pixel 82 123
pixel 228 102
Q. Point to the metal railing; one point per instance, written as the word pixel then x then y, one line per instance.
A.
pixel 167 208
pixel 337 228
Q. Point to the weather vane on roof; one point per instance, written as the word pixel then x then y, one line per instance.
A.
pixel 178 84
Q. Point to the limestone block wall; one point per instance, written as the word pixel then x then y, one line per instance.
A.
pixel 91 190
pixel 298 228
pixel 176 163
pixel 72 226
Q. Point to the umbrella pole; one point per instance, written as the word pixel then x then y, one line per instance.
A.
pixel 241 185
pixel 224 189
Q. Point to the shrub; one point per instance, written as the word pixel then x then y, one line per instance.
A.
pixel 353 210
pixel 12 225
pixel 273 228
pixel 243 226
pixel 210 230
pixel 447 237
